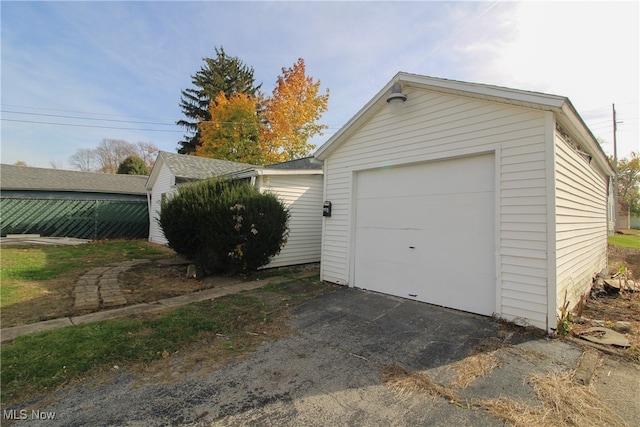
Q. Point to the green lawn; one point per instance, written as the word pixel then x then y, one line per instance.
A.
pixel 625 240
pixel 37 264
pixel 35 363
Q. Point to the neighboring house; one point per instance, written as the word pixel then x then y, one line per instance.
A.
pixel 623 221
pixel 479 198
pixel 171 170
pixel 297 183
pixel 60 203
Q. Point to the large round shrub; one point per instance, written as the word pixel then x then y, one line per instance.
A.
pixel 224 226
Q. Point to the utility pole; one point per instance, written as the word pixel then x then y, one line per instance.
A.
pixel 615 170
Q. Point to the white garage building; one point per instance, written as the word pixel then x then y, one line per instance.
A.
pixel 479 198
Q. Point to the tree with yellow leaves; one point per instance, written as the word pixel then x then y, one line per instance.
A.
pixel 233 130
pixel 291 115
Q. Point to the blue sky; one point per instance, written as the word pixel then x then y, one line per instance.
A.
pixel 127 62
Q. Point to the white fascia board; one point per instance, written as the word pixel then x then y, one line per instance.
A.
pixel 246 173
pixel 153 176
pixel 483 91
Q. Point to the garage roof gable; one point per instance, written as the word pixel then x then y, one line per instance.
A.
pixel 565 113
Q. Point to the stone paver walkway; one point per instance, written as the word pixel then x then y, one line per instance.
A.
pixel 99 286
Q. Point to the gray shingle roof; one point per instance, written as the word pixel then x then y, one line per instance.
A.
pixel 304 163
pixel 41 179
pixel 187 167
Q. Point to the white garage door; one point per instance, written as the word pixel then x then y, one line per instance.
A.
pixel 426 232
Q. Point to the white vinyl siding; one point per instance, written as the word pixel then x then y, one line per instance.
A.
pixel 303 195
pixel 438 126
pixel 523 229
pixel 164 184
pixel 581 218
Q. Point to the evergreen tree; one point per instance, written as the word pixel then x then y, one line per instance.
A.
pixel 224 73
pixel 224 226
pixel 133 165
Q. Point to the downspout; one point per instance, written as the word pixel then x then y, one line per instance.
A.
pixel 256 180
pixel 149 213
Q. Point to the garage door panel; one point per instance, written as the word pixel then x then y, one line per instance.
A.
pixel 387 244
pixel 416 179
pixel 395 276
pixel 386 212
pixel 433 238
pixel 422 211
pixel 466 291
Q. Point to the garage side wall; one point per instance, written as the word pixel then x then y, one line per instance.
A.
pixel 440 126
pixel 164 185
pixel 303 195
pixel 581 218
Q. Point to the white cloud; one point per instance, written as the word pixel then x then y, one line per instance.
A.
pixel 134 58
pixel 587 51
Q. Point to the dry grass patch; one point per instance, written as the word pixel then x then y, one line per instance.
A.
pixel 470 368
pixel 562 403
pixel 466 371
pixel 409 382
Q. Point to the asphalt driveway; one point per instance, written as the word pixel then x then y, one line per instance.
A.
pixel 329 372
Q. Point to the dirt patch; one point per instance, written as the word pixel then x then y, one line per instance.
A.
pixel 55 300
pixel 607 309
pixel 157 280
pixel 629 257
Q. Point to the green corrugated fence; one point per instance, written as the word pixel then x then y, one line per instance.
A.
pixel 83 219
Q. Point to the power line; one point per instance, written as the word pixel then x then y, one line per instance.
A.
pixel 87 118
pixel 80 112
pixel 115 127
pixel 105 114
pixel 89 126
pixel 103 120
